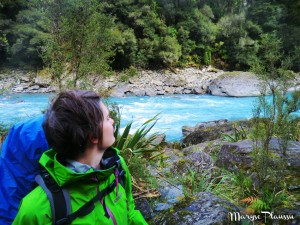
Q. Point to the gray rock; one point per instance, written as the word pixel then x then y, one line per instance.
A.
pixel 210 123
pixel 178 90
pixel 162 206
pixel 207 132
pixel 138 91
pixel 237 84
pixel 199 90
pixel 159 139
pixel 171 194
pixel 198 162
pixel 150 92
pixel 18 89
pixel 120 90
pixel 169 90
pixel 161 92
pixel 186 130
pixel 187 91
pixel 34 87
pixel 144 207
pixel 234 156
pixel 24 79
pixel 207 209
pixel 42 81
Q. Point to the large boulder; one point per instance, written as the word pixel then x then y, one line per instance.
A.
pixel 206 131
pixel 199 162
pixel 236 84
pixel 235 156
pixel 239 155
pixel 206 209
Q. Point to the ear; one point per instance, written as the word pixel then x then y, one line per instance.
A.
pixel 94 140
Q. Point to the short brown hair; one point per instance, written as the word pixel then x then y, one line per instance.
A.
pixel 72 120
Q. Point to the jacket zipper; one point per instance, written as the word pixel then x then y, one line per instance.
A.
pixel 111 215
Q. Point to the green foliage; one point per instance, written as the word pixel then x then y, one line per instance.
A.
pixel 272 118
pixel 140 142
pixel 234 32
pixel 25 36
pixel 94 37
pixel 82 38
pixel 217 182
pixel 128 73
pixel 239 133
pixel 275 74
pixel 135 148
pixel 170 51
pixel 266 202
pixel 266 14
pixel 245 184
pixel 137 143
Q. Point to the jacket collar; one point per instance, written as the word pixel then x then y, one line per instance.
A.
pixel 63 175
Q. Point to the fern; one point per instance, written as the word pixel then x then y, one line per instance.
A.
pixel 258 205
pixel 254 204
pixel 249 200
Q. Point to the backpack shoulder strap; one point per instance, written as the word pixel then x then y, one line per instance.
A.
pixel 60 201
pixel 58 197
pixel 90 205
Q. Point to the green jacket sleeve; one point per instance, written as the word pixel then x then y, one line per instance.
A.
pixel 135 216
pixel 30 211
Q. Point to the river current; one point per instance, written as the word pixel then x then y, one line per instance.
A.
pixel 174 111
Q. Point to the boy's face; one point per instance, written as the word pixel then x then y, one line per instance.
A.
pixel 108 137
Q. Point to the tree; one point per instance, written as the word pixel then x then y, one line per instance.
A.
pixel 267 14
pixel 30 34
pixel 273 66
pixel 241 48
pixel 82 39
pixel 195 29
pixel 3 44
pixel 272 118
pixel 170 51
pixel 8 12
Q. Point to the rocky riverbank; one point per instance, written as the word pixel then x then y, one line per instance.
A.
pixel 146 83
pixel 192 201
pixel 203 153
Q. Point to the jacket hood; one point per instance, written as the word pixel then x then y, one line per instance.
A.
pixel 55 165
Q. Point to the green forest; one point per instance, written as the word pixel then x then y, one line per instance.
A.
pixel 100 36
